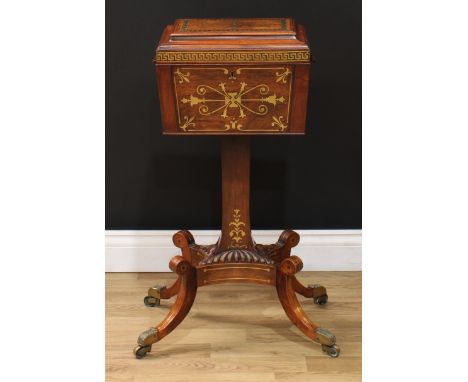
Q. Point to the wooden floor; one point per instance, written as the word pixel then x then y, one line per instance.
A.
pixel 234 332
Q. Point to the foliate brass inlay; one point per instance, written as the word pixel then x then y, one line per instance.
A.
pixel 233 125
pixel 230 56
pixel 182 77
pixel 187 122
pixel 233 100
pixel 277 121
pixel 237 234
pixel 283 76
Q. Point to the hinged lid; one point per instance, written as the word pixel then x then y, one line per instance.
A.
pixel 233 40
pixel 233 27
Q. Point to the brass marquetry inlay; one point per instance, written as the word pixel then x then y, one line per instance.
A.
pixel 187 123
pixel 248 267
pixel 236 100
pixel 237 234
pixel 232 56
pixel 233 125
pixel 275 24
pixel 278 121
pixel 283 76
pixel 182 77
pixel 227 279
pixel 204 98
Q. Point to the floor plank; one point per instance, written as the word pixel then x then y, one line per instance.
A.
pixel 233 333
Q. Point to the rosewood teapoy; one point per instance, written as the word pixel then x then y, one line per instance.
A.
pixel 234 77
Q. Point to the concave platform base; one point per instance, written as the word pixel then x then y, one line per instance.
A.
pixel 236 258
pixel 266 264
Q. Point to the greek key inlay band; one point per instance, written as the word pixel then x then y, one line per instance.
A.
pixel 230 56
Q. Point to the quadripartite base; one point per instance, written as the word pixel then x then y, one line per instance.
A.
pixel 202 265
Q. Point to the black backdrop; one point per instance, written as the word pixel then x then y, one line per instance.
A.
pixel 307 182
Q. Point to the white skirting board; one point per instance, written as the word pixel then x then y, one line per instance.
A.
pixel 150 251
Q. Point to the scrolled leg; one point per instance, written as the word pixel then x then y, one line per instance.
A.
pixel 287 296
pixel 185 297
pixel 287 240
pixel 183 240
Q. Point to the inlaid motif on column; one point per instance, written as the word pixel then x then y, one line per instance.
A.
pixel 217 99
pixel 237 234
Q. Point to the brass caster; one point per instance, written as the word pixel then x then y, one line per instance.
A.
pixel 321 300
pixel 320 294
pixel 152 301
pixel 327 340
pixel 140 351
pixel 333 350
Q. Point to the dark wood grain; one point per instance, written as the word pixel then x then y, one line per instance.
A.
pixel 235 159
pixel 167 293
pixel 287 296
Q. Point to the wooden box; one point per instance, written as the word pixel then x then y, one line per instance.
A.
pixel 233 76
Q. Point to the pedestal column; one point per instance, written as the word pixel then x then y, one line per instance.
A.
pixel 235 158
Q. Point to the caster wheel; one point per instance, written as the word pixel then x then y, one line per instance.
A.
pixel 152 301
pixel 333 350
pixel 140 351
pixel 321 300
